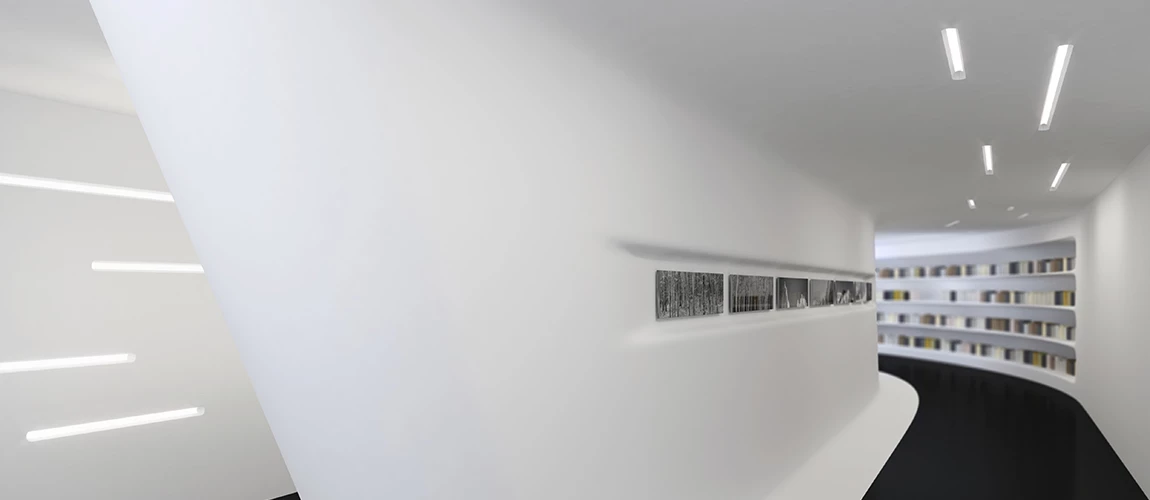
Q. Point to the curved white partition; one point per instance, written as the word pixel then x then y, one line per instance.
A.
pixel 453 219
pixel 846 466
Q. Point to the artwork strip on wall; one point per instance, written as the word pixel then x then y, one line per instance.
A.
pixel 870 292
pixel 822 293
pixel 860 292
pixel 750 293
pixel 793 293
pixel 683 294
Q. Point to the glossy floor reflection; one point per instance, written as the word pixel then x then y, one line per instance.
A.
pixel 980 435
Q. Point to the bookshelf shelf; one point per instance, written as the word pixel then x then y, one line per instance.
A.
pixel 1051 378
pixel 979 278
pixel 977 331
pixel 947 303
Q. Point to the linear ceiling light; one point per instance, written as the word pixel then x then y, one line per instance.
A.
pixel 1025 215
pixel 970 203
pixel 147 267
pixel 1010 209
pixel 1058 176
pixel 81 187
pixel 108 425
pixel 952 224
pixel 988 159
pixel 954 53
pixel 1057 75
pixel 55 364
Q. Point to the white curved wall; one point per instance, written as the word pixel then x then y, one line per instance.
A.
pixel 53 305
pixel 1114 375
pixel 420 221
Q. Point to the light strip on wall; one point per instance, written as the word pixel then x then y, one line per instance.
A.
pixel 108 425
pixel 954 53
pixel 1057 75
pixel 1058 176
pixel 56 364
pixel 952 224
pixel 988 159
pixel 84 188
pixel 147 267
pixel 970 203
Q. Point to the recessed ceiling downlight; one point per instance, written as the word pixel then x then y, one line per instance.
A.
pixel 1054 88
pixel 84 188
pixel 60 363
pixel 954 53
pixel 1058 177
pixel 970 203
pixel 147 267
pixel 988 159
pixel 108 425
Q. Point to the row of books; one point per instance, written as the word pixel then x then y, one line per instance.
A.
pixel 1054 298
pixel 896 295
pixel 1023 356
pixel 1007 325
pixel 1015 268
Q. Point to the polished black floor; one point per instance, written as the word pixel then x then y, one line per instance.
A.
pixel 980 435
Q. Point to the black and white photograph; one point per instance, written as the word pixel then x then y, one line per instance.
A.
pixel 683 294
pixel 844 293
pixel 822 293
pixel 792 293
pixel 860 292
pixel 750 293
pixel 870 292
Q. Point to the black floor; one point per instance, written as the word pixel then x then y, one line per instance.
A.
pixel 979 435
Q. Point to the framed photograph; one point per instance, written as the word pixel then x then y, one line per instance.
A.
pixel 684 294
pixel 844 293
pixel 822 293
pixel 869 292
pixel 860 292
pixel 750 293
pixel 793 293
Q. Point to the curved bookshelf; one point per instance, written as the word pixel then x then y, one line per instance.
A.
pixel 1037 271
pixel 981 278
pixel 968 304
pixel 977 331
pixel 1051 378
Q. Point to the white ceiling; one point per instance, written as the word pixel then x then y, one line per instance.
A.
pixel 54 49
pixel 857 94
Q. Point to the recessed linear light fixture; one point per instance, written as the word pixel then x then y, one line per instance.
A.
pixel 970 203
pixel 952 224
pixel 84 188
pixel 1058 177
pixel 988 159
pixel 1057 75
pixel 954 53
pixel 147 267
pixel 56 364
pixel 1025 215
pixel 1010 209
pixel 108 425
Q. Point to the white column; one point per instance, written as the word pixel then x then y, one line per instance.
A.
pixel 414 217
